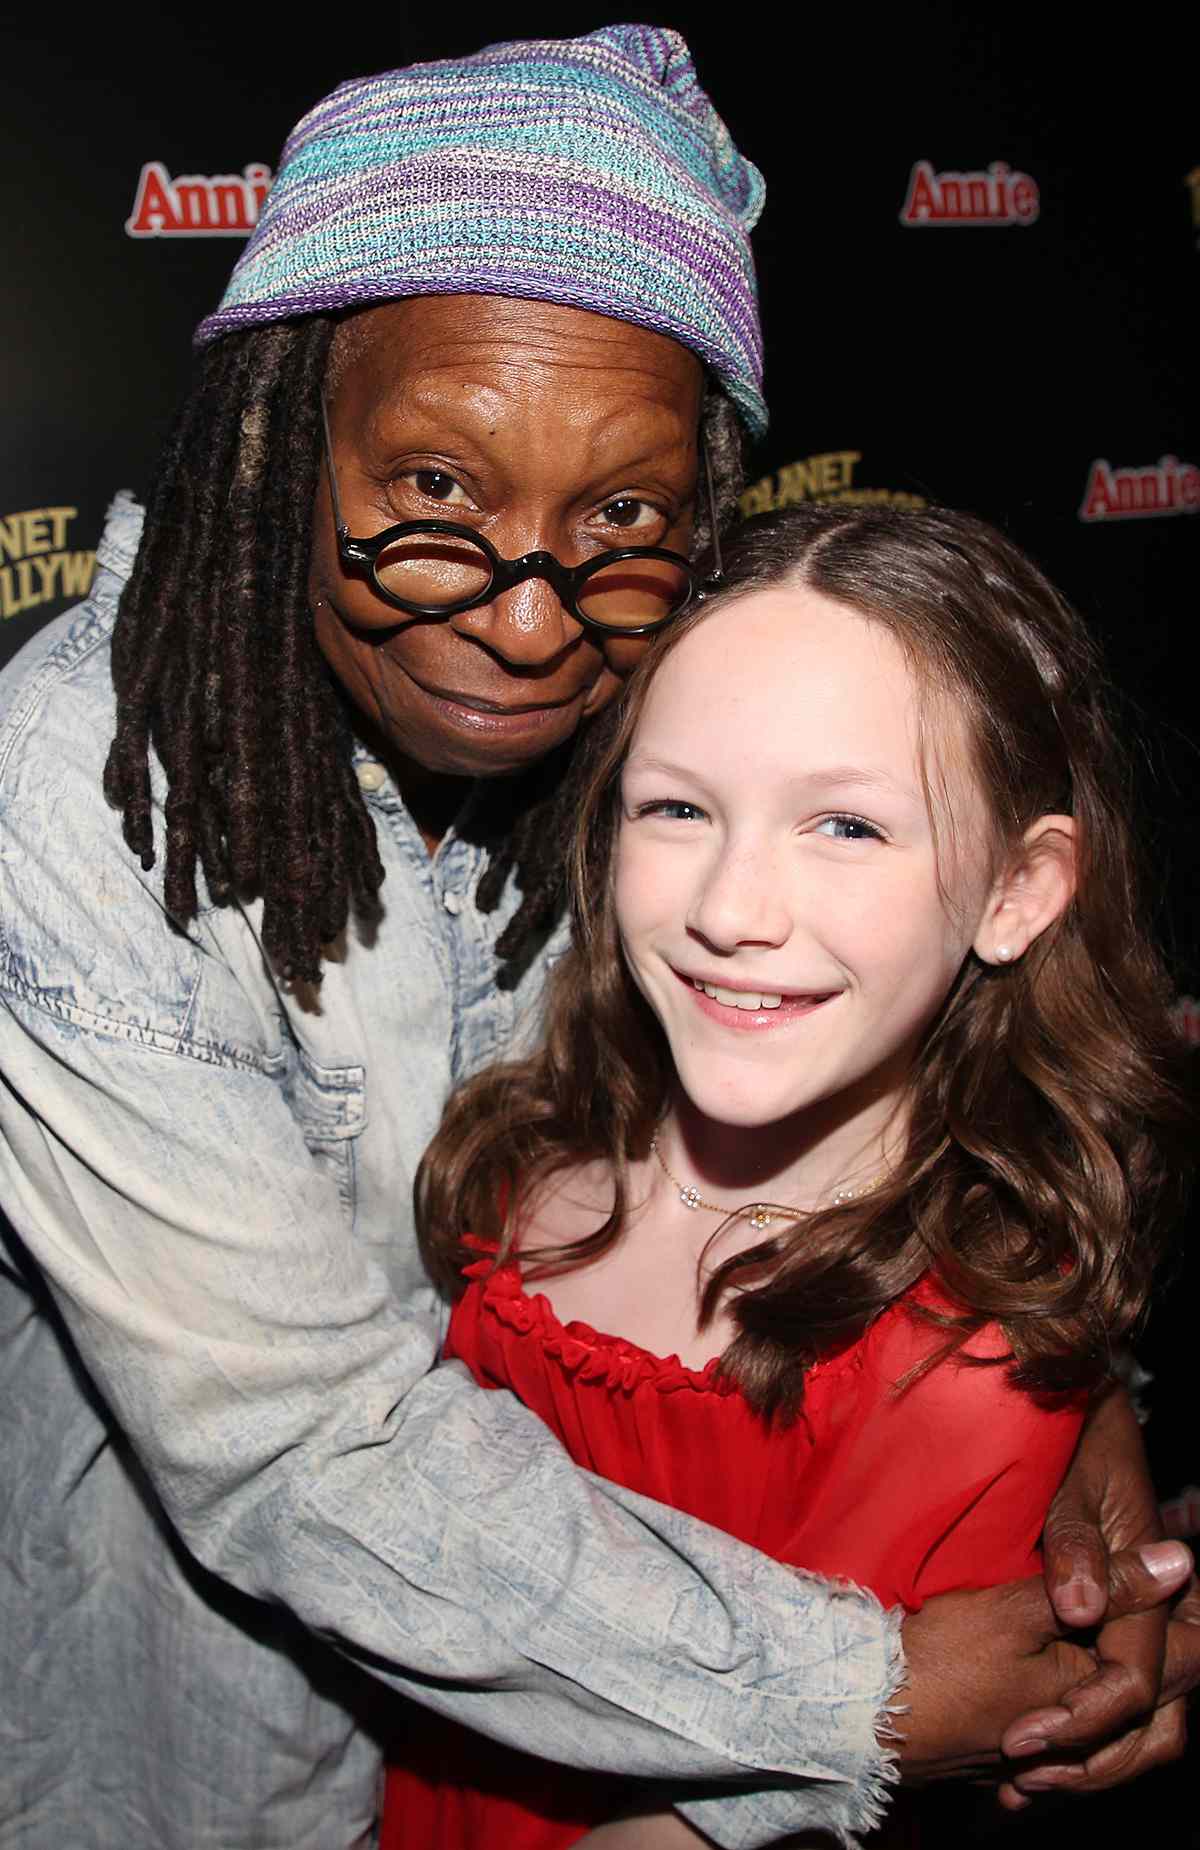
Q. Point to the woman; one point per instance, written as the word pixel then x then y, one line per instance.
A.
pixel 202 1154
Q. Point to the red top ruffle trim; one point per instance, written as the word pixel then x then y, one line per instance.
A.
pixel 592 1356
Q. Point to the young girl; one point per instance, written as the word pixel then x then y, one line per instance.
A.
pixel 847 1158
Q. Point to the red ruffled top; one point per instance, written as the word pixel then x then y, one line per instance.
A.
pixel 943 1486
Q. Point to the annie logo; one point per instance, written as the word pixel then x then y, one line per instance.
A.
pixel 997 197
pixel 1185 1016
pixel 1166 487
pixel 223 205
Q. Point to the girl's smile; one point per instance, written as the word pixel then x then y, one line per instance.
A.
pixel 757 1009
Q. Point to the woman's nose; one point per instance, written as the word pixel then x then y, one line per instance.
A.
pixel 527 626
pixel 740 901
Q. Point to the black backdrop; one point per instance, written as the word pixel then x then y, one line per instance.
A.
pixel 1028 370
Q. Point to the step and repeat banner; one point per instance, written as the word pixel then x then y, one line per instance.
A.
pixel 979 262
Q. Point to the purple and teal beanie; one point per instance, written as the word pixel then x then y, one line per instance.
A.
pixel 590 172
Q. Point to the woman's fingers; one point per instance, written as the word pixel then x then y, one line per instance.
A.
pixel 1106 1503
pixel 977 1660
pixel 1181 1673
pixel 1138 1751
pixel 1107 1729
pixel 1124 1687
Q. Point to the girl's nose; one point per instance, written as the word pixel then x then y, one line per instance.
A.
pixel 740 901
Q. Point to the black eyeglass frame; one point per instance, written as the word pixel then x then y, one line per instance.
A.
pixel 566 580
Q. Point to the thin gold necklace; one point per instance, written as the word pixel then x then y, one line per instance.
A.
pixel 760 1214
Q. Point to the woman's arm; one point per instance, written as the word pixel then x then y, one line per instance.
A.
pixel 285 1407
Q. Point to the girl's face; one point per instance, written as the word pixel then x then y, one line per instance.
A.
pixel 780 895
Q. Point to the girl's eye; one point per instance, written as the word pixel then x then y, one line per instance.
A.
pixel 627 511
pixel 849 828
pixel 436 485
pixel 674 809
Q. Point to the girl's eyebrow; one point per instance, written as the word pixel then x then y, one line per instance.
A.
pixel 862 777
pixel 641 761
pixel 825 777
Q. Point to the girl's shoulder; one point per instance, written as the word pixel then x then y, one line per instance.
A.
pixel 917 1325
pixel 567 1205
pixel 905 1354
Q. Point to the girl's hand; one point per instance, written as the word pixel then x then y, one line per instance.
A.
pixel 659 1830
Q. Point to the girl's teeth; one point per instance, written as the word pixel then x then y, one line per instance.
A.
pixel 738 998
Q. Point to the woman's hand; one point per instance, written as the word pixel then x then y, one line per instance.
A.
pixel 1110 1711
pixel 1127 1717
pixel 978 1659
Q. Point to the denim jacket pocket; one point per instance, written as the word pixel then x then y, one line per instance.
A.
pixel 329 1103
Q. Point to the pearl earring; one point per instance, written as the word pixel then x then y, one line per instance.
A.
pixel 1003 953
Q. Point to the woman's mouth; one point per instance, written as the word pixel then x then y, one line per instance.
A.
pixel 474 714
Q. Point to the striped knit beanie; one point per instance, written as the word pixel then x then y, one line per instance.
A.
pixel 591 172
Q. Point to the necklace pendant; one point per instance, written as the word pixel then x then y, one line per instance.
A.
pixel 760 1217
pixel 690 1197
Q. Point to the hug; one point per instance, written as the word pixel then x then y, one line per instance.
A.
pixel 848 1117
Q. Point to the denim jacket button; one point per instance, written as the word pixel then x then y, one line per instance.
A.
pixel 370 776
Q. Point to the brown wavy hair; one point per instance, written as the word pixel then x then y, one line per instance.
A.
pixel 1049 1129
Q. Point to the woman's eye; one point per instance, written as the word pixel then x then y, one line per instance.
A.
pixel 627 511
pixel 436 485
pixel 849 828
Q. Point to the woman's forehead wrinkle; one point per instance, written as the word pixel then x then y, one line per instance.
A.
pixel 614 373
pixel 419 358
pixel 624 427
pixel 581 345
pixel 444 404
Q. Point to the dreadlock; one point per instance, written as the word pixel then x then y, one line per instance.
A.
pixel 216 668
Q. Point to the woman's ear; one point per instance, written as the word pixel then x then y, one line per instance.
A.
pixel 1034 889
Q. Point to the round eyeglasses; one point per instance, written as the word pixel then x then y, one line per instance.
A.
pixel 437 568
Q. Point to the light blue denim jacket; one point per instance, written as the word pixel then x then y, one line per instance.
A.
pixel 213 1177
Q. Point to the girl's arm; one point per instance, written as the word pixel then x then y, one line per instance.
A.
pixel 659 1830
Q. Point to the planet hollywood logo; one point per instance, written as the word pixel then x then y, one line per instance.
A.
pixel 1156 489
pixel 36 564
pixel 1000 196
pixel 222 205
pixel 828 476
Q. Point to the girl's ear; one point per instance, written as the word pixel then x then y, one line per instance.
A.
pixel 1035 888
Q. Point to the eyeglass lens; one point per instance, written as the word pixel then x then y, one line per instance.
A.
pixel 433 568
pixel 440 568
pixel 631 592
